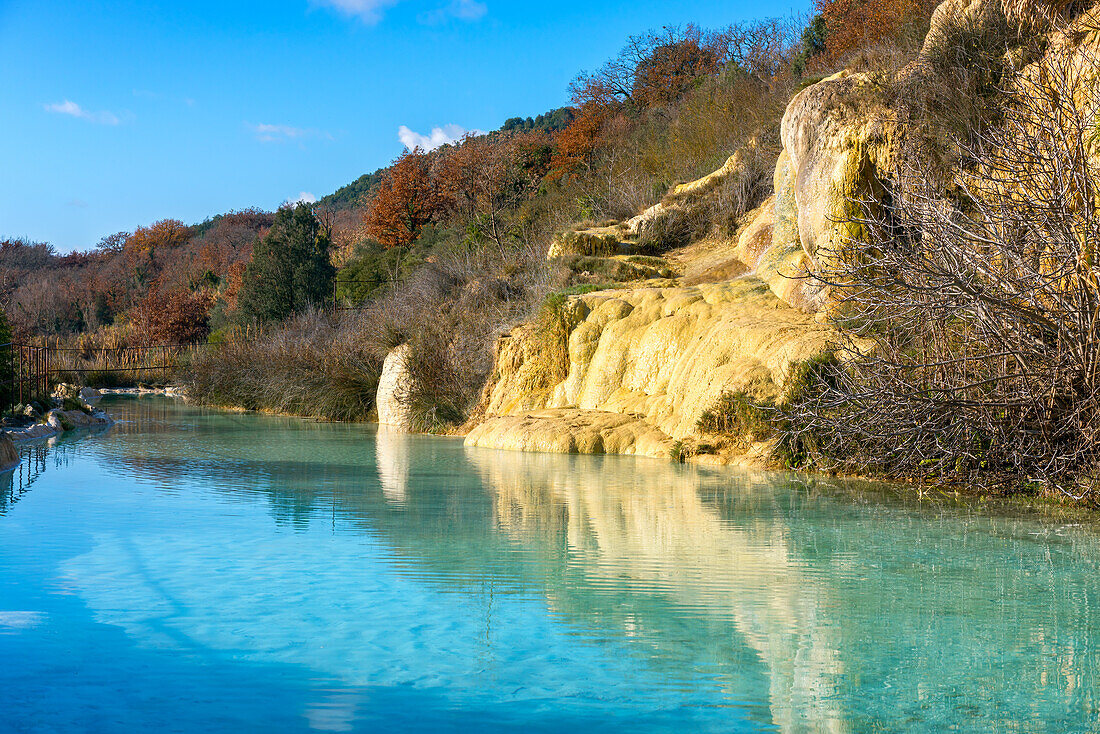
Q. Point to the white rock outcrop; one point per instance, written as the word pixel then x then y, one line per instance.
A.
pixel 394 387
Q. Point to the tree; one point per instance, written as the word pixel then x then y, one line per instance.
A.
pixel 487 179
pixel 851 25
pixel 408 199
pixel 7 362
pixel 658 68
pixel 174 317
pixel 652 69
pixel 671 69
pixel 576 144
pixel 812 44
pixel 290 268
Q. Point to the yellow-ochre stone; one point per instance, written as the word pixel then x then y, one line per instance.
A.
pixel 643 366
pixel 572 431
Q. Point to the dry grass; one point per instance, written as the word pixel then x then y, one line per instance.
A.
pixel 317 364
pixel 327 364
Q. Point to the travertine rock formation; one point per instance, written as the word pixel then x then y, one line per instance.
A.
pixel 643 366
pixel 392 397
pixel 645 363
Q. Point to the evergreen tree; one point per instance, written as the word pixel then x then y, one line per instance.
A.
pixel 290 268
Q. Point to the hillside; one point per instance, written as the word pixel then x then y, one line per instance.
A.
pixel 859 243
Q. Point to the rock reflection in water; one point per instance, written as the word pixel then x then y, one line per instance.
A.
pixel 799 604
pixel 651 530
pixel 864 610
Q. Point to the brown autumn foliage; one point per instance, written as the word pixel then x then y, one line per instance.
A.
pixel 671 69
pixel 485 178
pixel 854 25
pixel 170 318
pixel 167 233
pixel 575 145
pixel 653 68
pixel 409 198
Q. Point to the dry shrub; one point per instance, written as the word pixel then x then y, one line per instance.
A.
pixel 854 25
pixel 673 228
pixel 327 364
pixel 741 192
pixel 316 364
pixel 452 337
pixel 974 308
pixel 171 318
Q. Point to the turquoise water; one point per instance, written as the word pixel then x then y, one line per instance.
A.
pixel 199 571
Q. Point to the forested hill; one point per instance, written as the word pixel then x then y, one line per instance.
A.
pixel 671 106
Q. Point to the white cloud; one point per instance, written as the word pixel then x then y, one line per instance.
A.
pixel 72 109
pixel 266 133
pixel 303 198
pixel 438 137
pixel 461 9
pixel 368 11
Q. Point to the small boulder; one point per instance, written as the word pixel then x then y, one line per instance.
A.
pixel 38 430
pixel 63 390
pixel 9 457
pixel 59 420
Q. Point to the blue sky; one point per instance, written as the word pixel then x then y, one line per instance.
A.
pixel 118 113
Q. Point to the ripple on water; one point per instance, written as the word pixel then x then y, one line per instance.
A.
pixel 199 570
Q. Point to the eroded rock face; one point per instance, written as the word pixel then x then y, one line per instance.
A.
pixel 837 137
pixel 9 457
pixel 394 386
pixel 643 366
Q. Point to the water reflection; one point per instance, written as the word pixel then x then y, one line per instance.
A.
pixel 652 531
pixel 393 456
pixel 35 457
pixel 785 603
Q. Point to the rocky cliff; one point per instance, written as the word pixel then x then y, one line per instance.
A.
pixel 633 370
pixel 640 366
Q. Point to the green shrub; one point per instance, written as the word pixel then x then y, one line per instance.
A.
pixel 745 417
pixel 606 269
pixel 809 376
pixel 70 403
pixel 740 415
pixel 552 335
pixel 595 244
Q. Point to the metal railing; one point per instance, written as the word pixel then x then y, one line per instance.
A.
pixel 28 371
pixel 24 373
